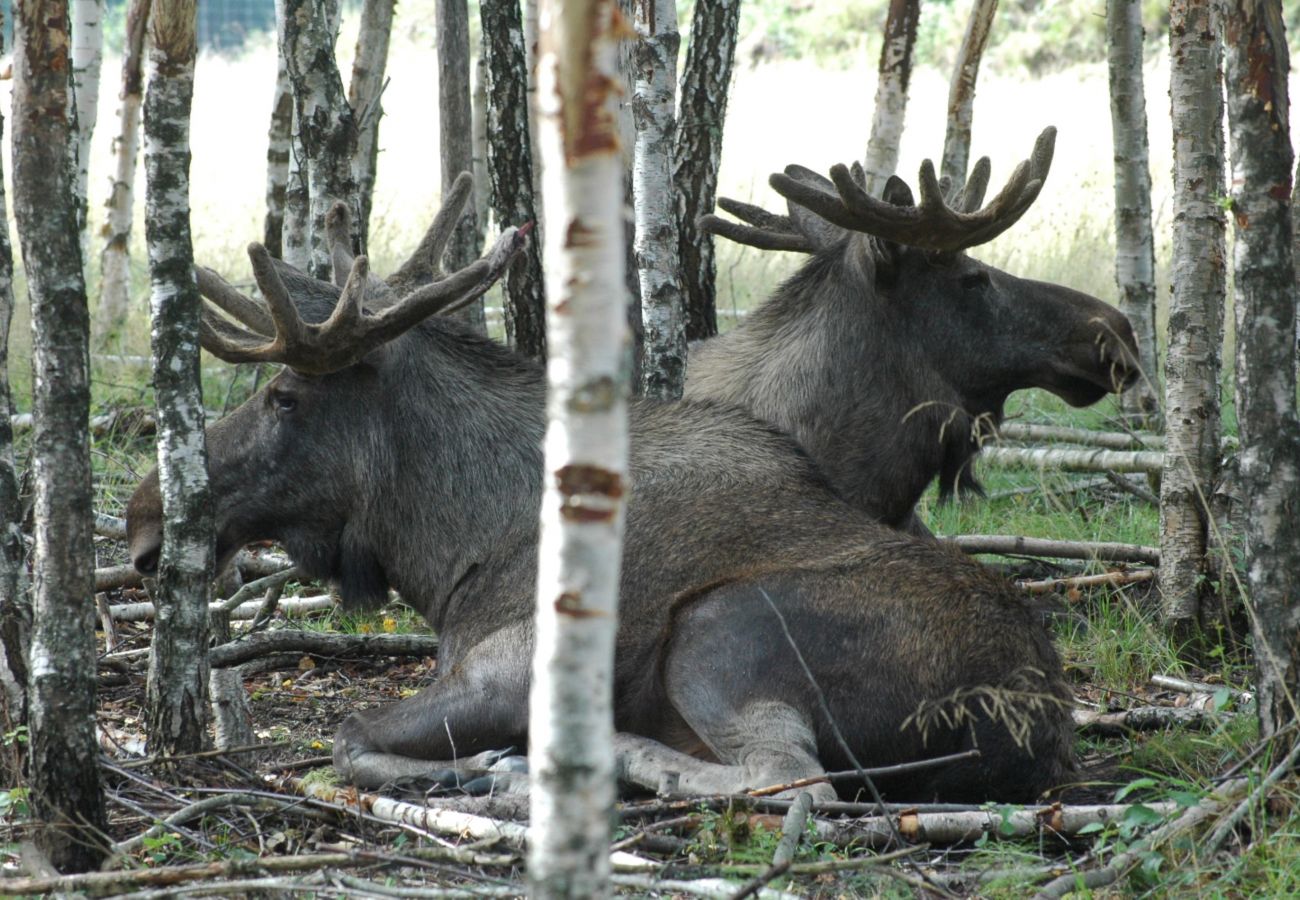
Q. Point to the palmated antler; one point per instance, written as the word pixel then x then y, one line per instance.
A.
pixel 943 221
pixel 277 333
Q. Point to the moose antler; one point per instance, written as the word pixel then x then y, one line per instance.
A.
pixel 941 221
pixel 277 333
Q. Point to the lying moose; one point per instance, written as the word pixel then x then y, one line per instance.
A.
pixel 890 353
pixel 397 450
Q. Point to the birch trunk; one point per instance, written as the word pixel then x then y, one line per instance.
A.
pixel 365 95
pixel 1256 68
pixel 961 93
pixel 177 692
pixel 663 366
pixel 895 72
pixel 15 602
pixel 279 150
pixel 456 139
pixel 1195 318
pixel 1135 256
pixel 87 60
pixel 571 753
pixel 510 168
pixel 326 127
pixel 531 27
pixel 115 258
pixel 706 78
pixel 478 124
pixel 65 787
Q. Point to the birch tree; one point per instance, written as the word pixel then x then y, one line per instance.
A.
pixel 510 169
pixel 87 60
pixel 663 368
pixel 961 93
pixel 571 754
pixel 895 71
pixel 365 96
pixel 1135 255
pixel 65 786
pixel 326 127
pixel 177 698
pixel 279 150
pixel 478 124
pixel 1256 68
pixel 115 257
pixel 456 138
pixel 1195 318
pixel 706 77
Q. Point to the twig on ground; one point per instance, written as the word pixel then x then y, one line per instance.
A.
pixel 1229 822
pixel 1015 545
pixel 1140 718
pixel 254 588
pixel 1169 683
pixel 200 754
pixel 792 829
pixel 251 646
pixel 290 606
pixel 709 888
pixel 1111 440
pixel 1129 486
pixel 1145 461
pixel 879 771
pixel 200 808
pixel 432 893
pixel 1085 484
pixel 1110 579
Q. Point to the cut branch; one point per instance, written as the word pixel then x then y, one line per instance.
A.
pixel 1014 545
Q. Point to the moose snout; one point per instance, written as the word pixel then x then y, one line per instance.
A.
pixel 1119 353
pixel 144 526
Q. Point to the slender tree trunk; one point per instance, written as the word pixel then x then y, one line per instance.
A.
pixel 1195 319
pixel 478 124
pixel 628 51
pixel 510 167
pixel 531 26
pixel 279 150
pixel 115 258
pixel 456 139
pixel 1135 255
pixel 706 78
pixel 326 126
pixel 1256 68
pixel 66 795
pixel 364 96
pixel 177 691
pixel 961 93
pixel 87 59
pixel 663 368
pixel 571 710
pixel 891 93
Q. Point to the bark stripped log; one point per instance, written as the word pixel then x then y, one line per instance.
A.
pixel 65 787
pixel 1149 461
pixel 706 79
pixel 1257 65
pixel 1195 319
pixel 87 60
pixel 510 169
pixel 365 95
pixel 571 757
pixel 1135 255
pixel 895 71
pixel 961 93
pixel 177 691
pixel 663 366
pixel 115 258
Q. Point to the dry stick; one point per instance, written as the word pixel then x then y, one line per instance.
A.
pixel 1015 545
pixel 710 888
pixel 251 887
pixel 199 754
pixel 878 771
pixel 291 606
pixel 1073 487
pixel 1112 440
pixel 1110 579
pixel 1198 687
pixel 1145 461
pixel 201 808
pixel 1230 821
pixel 1141 718
pixel 432 893
pixel 792 829
pixel 1121 863
pixel 1130 487
pixel 252 646
pixel 254 588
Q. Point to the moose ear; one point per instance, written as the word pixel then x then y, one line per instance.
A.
pixel 897 192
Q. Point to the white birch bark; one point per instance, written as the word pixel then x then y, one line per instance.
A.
pixel 177 690
pixel 1257 65
pixel 279 151
pixel 87 60
pixel 895 72
pixel 1135 258
pixel 478 124
pixel 63 763
pixel 365 93
pixel 1195 317
pixel 961 93
pixel 115 257
pixel 531 37
pixel 571 707
pixel 663 367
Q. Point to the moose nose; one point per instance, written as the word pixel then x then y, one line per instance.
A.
pixel 146 562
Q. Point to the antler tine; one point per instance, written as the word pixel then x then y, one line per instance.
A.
pixel 242 307
pixel 227 341
pixel 762 238
pixel 815 199
pixel 755 215
pixel 338 232
pixel 454 292
pixel 289 326
pixel 425 264
pixel 971 197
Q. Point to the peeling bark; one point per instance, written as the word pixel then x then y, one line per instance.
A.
pixel 663 367
pixel 891 93
pixel 510 168
pixel 279 150
pixel 571 754
pixel 87 60
pixel 66 796
pixel 365 93
pixel 115 257
pixel 706 78
pixel 1135 255
pixel 1195 320
pixel 1256 68
pixel 961 93
pixel 177 691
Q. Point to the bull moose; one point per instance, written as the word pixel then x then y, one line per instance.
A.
pixel 400 451
pixel 890 353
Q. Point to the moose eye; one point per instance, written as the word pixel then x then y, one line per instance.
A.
pixel 974 281
pixel 283 403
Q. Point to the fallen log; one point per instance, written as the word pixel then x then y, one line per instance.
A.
pixel 292 607
pixel 113 577
pixel 1146 461
pixel 1110 440
pixel 1015 545
pixel 1141 718
pixel 1183 686
pixel 251 646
